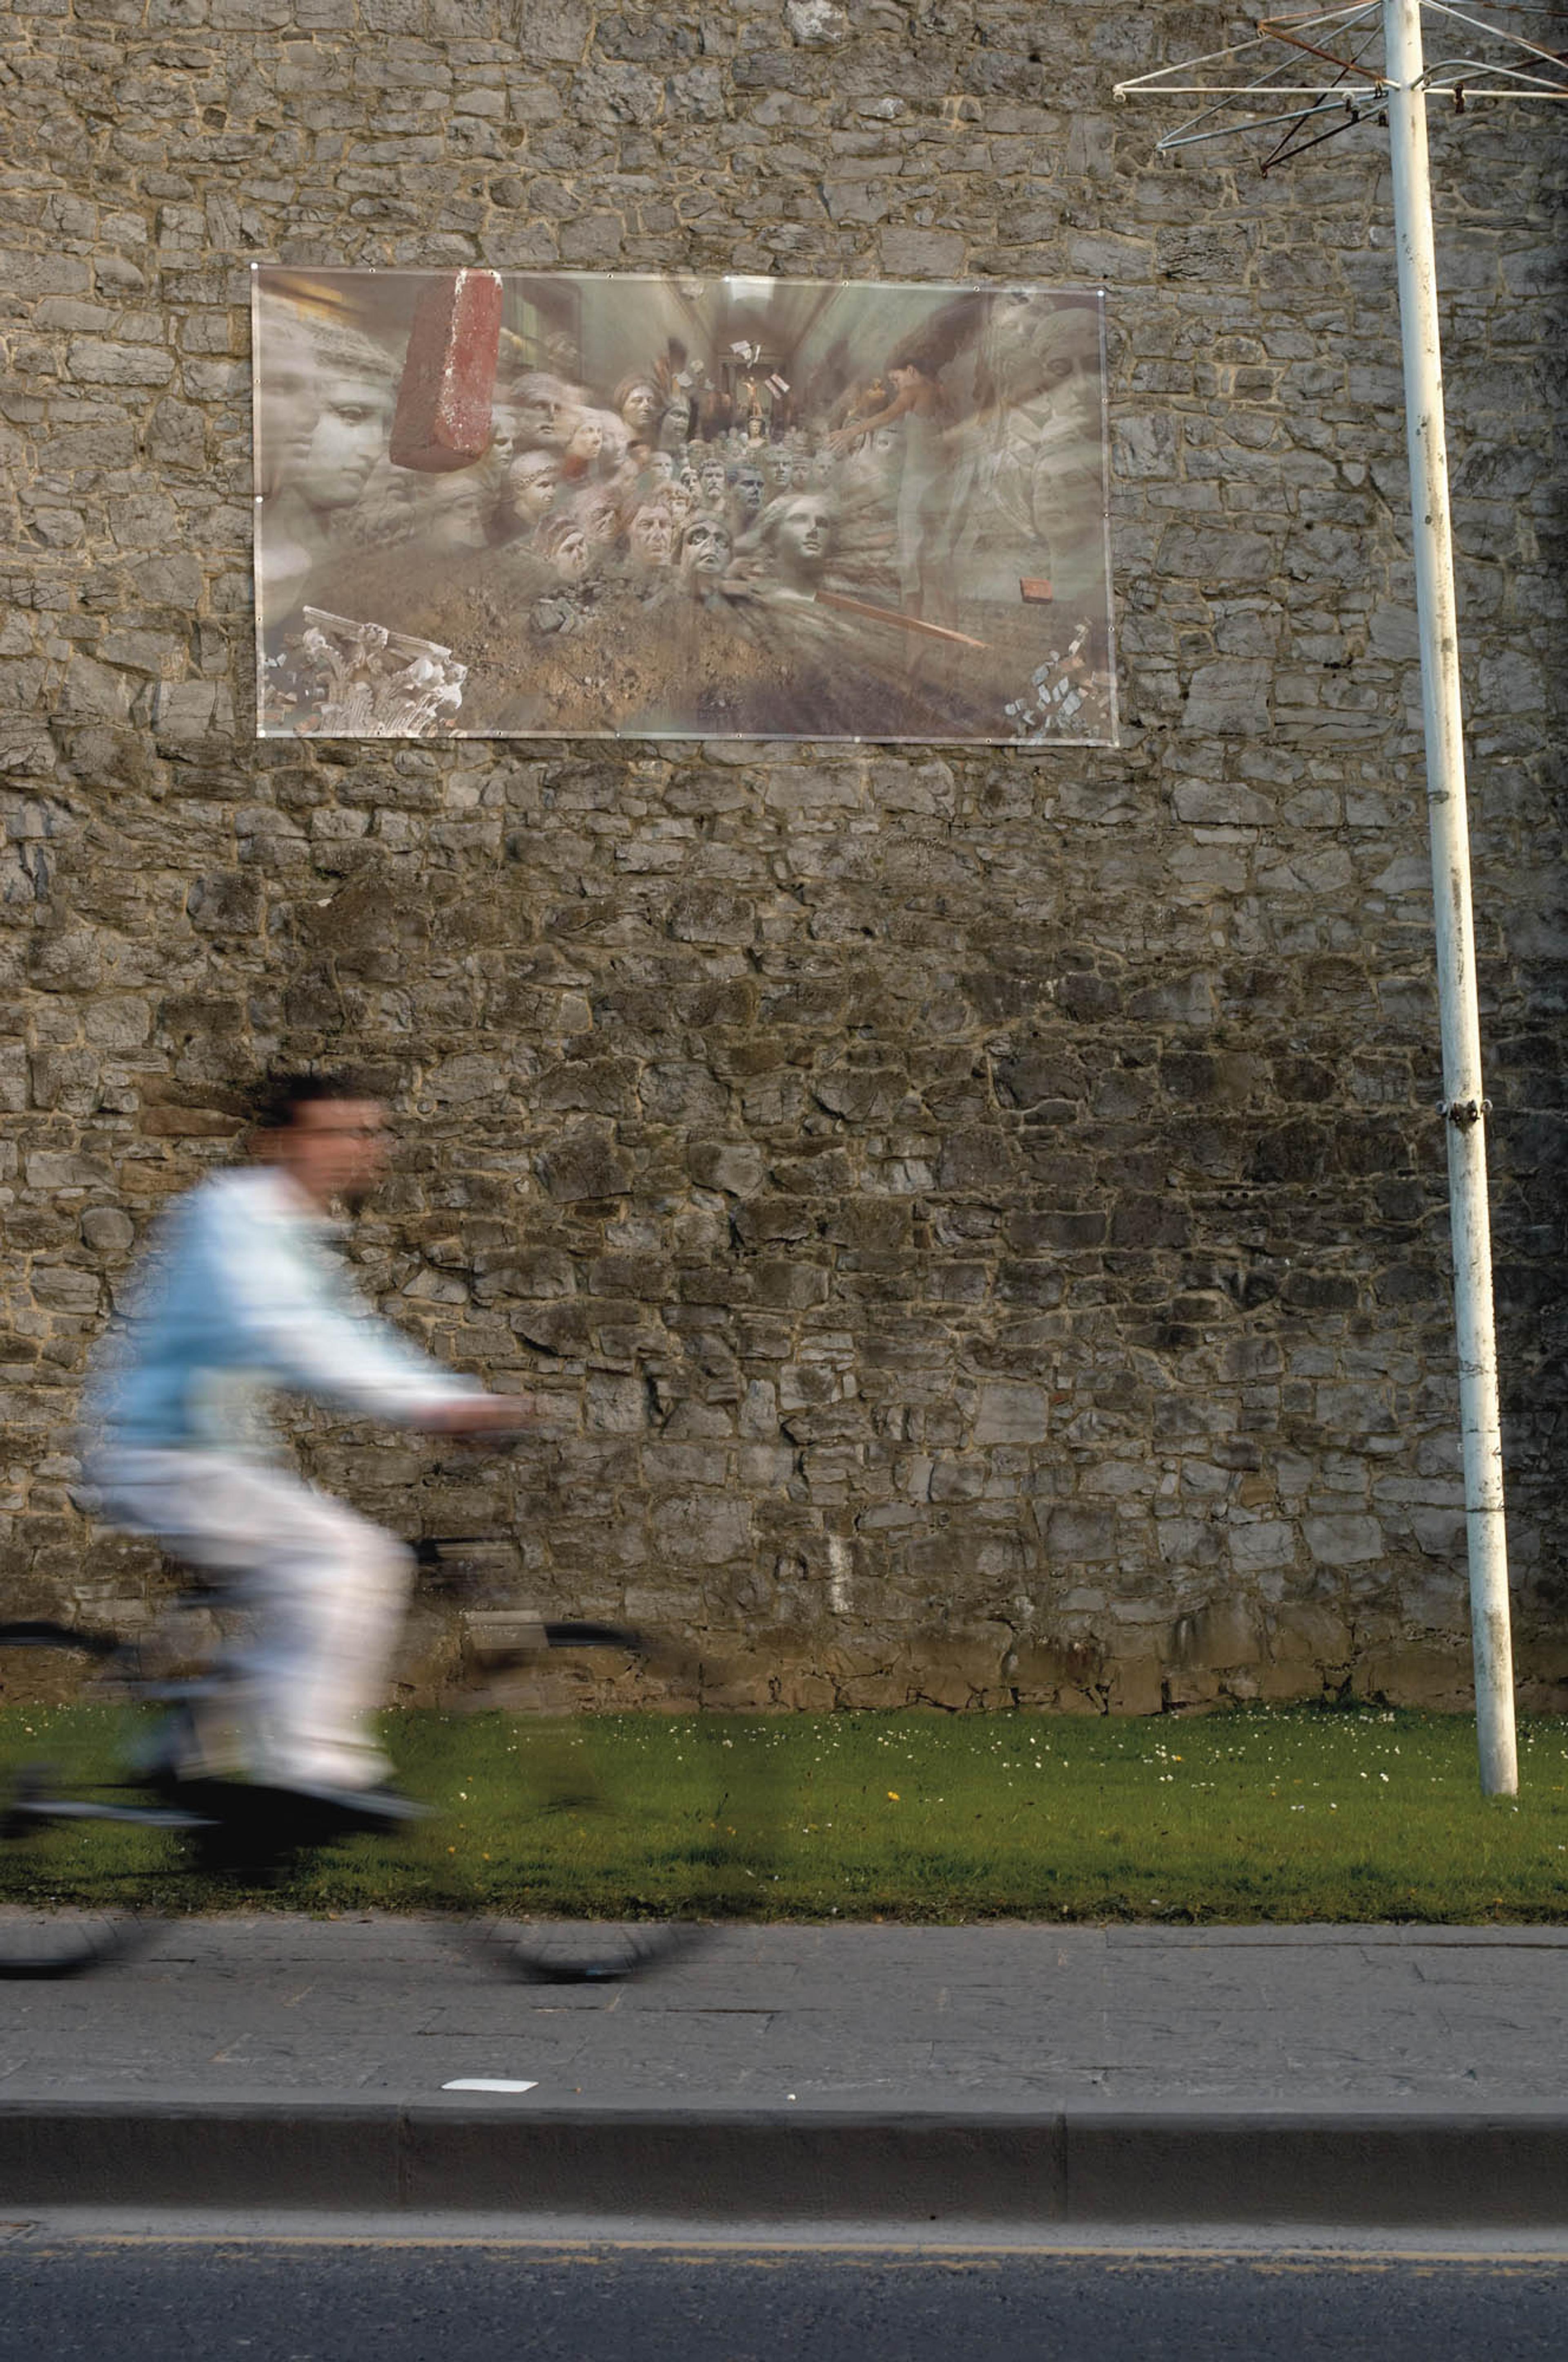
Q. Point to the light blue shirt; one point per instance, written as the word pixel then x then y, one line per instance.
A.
pixel 243 1295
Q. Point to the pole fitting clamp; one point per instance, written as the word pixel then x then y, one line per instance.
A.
pixel 1464 1112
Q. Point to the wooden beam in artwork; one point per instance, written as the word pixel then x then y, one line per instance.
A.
pixel 900 622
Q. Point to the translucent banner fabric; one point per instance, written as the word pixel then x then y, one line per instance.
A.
pixel 658 507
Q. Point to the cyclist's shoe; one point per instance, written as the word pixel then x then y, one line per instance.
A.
pixel 248 1833
pixel 366 1808
pixel 255 1832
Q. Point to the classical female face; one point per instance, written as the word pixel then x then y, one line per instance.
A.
pixel 653 533
pixel 588 438
pixel 641 406
pixel 503 436
pixel 805 530
pixel 532 483
pixel 705 546
pixel 659 468
pixel 348 437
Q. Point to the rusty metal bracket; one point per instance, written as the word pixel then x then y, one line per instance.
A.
pixel 1464 1112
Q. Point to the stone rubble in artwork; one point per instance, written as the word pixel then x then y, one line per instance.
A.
pixel 360 681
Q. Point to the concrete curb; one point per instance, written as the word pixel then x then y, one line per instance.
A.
pixel 1419 2164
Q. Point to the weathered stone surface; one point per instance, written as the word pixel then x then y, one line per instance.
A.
pixel 1407 1673
pixel 1345 1539
pixel 584 1163
pixel 1010 1413
pixel 816 24
pixel 977 1219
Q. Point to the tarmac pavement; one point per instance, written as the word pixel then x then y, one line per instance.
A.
pixel 1010 2075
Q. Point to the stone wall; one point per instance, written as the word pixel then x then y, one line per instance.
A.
pixel 980 1220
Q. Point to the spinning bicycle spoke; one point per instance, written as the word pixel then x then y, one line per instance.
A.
pixel 651 1826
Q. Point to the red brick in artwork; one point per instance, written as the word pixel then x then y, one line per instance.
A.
pixel 442 417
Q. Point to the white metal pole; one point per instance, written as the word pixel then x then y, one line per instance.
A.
pixel 1463 1104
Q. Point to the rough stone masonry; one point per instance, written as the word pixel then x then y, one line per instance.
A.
pixel 980 1222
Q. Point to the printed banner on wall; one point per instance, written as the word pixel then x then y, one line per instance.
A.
pixel 575 505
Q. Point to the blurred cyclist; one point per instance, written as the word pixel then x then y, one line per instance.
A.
pixel 241 1294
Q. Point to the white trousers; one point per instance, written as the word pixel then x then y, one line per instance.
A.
pixel 325 1593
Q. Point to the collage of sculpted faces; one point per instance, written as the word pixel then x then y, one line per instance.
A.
pixel 746 508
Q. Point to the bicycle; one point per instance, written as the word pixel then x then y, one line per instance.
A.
pixel 100 1831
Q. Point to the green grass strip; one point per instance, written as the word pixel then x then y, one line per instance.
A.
pixel 1277 1815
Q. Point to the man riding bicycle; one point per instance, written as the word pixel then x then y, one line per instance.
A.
pixel 243 1295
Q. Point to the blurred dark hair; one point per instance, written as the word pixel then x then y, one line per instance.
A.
pixel 935 341
pixel 279 1098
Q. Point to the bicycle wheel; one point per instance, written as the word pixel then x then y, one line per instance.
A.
pixel 84 1847
pixel 631 1834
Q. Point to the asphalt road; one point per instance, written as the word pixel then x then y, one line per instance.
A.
pixel 146 2300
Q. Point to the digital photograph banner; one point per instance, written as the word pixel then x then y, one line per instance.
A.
pixel 507 504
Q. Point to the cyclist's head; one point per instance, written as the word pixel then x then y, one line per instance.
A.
pixel 279 1096
pixel 327 1132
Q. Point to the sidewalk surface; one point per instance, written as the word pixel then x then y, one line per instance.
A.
pixel 873 2017
pixel 1410 2064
